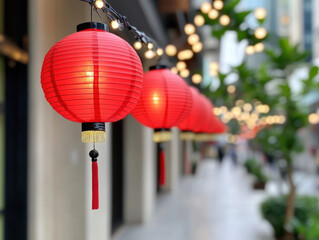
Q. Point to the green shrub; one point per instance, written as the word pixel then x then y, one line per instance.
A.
pixel 310 230
pixel 273 210
pixel 255 168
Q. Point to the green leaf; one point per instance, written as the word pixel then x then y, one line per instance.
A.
pixel 314 70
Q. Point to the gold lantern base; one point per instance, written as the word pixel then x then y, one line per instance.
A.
pixel 93 132
pixel 162 135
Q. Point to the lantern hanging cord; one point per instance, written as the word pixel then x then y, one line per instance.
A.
pixel 113 15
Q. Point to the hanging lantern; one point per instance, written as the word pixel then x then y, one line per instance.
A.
pixel 194 118
pixel 92 77
pixel 165 102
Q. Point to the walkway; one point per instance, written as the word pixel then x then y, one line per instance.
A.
pixel 217 204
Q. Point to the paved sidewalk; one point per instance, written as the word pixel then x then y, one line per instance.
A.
pixel 216 204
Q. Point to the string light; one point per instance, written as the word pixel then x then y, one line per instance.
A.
pixel 206 7
pixel 149 54
pixel 159 52
pixel 313 118
pixel 197 78
pixel 115 24
pixel 137 45
pixel 231 89
pixel 185 54
pixel 197 47
pixel 218 4
pixel 260 13
pixel 181 65
pixel 99 4
pixel 213 69
pixel 260 33
pixel 184 73
pixel 150 46
pixel 199 20
pixel 224 20
pixel 174 70
pixel 250 50
pixel 247 107
pixel 189 29
pixel 171 50
pixel 213 14
pixel 259 47
pixel 192 39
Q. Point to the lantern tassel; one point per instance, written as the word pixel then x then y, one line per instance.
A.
pixel 95 180
pixel 162 174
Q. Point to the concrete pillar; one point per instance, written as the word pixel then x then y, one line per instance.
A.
pixel 59 164
pixel 139 161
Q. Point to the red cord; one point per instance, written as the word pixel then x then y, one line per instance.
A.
pixel 95 186
pixel 162 168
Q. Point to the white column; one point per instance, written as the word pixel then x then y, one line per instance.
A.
pixel 139 161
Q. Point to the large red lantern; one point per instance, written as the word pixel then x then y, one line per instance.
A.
pixel 165 102
pixel 92 77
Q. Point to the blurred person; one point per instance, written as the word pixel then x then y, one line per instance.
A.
pixel 233 153
pixel 220 152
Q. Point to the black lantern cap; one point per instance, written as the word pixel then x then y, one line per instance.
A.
pixel 92 25
pixel 93 126
pixel 157 67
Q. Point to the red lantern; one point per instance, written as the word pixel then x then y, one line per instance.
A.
pixel 203 112
pixel 194 118
pixel 165 102
pixel 92 77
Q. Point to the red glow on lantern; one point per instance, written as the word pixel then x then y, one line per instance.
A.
pixel 165 101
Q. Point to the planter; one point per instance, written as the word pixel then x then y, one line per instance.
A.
pixel 259 185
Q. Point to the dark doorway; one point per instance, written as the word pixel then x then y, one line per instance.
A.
pixel 117 175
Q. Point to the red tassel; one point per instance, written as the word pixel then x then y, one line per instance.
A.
pixel 162 168
pixel 95 186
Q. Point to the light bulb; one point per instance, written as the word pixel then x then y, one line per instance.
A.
pixel 247 107
pixel 181 65
pixel 192 39
pixel 224 20
pixel 150 46
pixel 250 50
pixel 260 13
pixel 206 7
pixel 99 4
pixel 184 73
pixel 115 24
pixel 231 89
pixel 137 45
pixel 213 14
pixel 159 52
pixel 214 66
pixel 260 33
pixel 218 4
pixel 259 47
pixel 313 118
pixel 171 50
pixel 197 47
pixel 197 78
pixel 149 54
pixel 199 20
pixel 189 29
pixel 174 70
pixel 185 54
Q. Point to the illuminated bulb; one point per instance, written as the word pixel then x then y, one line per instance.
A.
pixel 159 52
pixel 99 4
pixel 181 65
pixel 199 20
pixel 197 78
pixel 240 102
pixel 259 47
pixel 184 73
pixel 260 33
pixel 189 29
pixel 236 111
pixel 171 50
pixel 217 111
pixel 247 107
pixel 213 14
pixel 250 50
pixel 192 39
pixel 197 47
pixel 149 54
pixel 185 54
pixel 224 20
pixel 205 7
pixel 223 109
pixel 313 118
pixel 260 13
pixel 137 45
pixel 231 89
pixel 174 70
pixel 218 4
pixel 214 66
pixel 150 46
pixel 115 24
